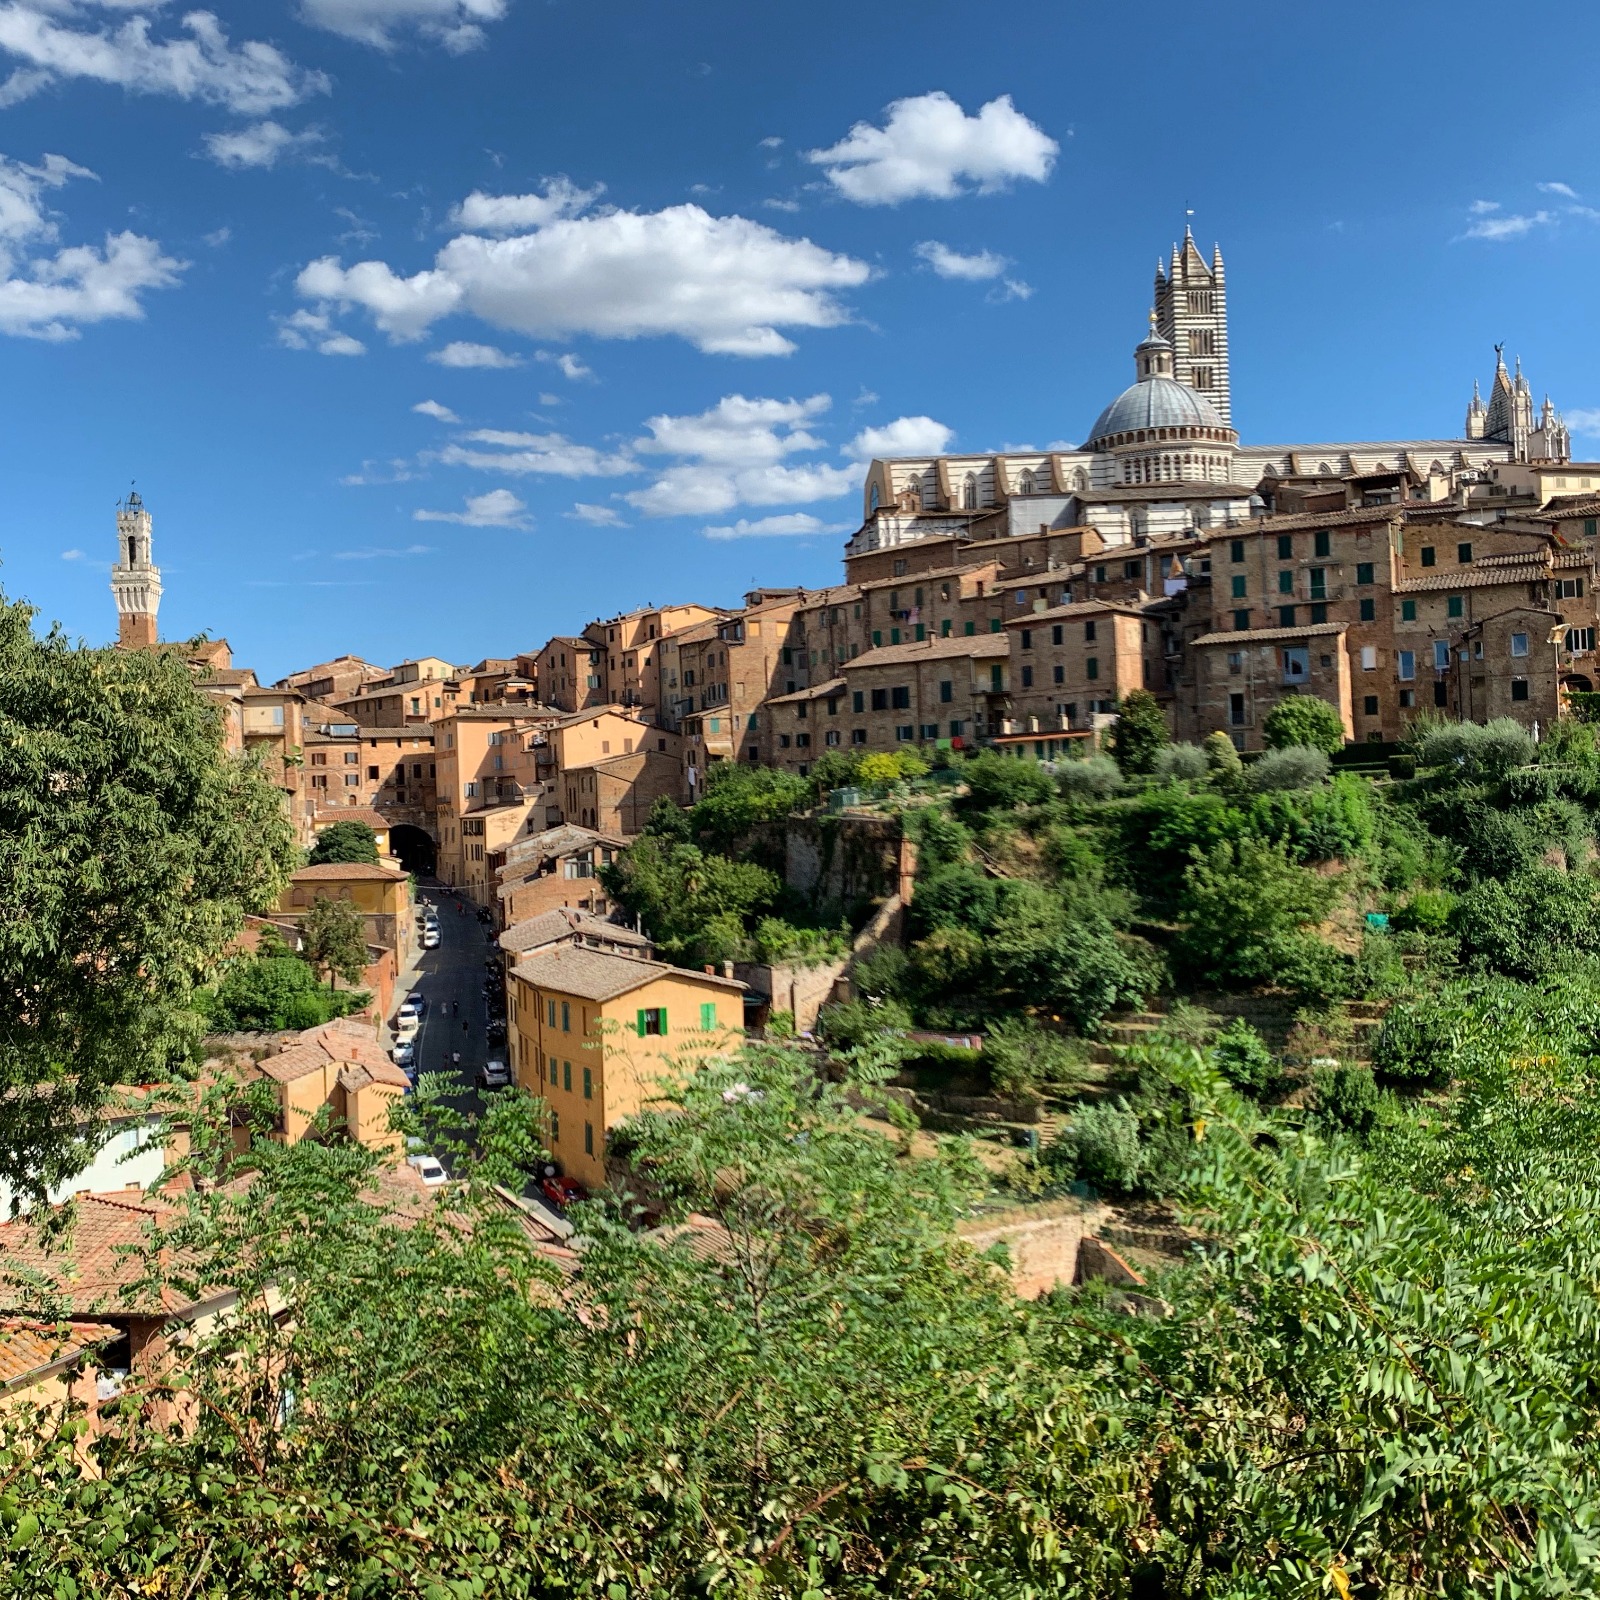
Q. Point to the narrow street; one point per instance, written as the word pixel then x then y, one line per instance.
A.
pixel 451 980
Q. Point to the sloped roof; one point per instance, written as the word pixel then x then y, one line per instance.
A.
pixel 31 1351
pixel 1317 630
pixel 951 649
pixel 1535 570
pixel 598 975
pixel 556 842
pixel 1079 608
pixel 566 922
pixel 344 871
pixel 817 691
pixel 345 1042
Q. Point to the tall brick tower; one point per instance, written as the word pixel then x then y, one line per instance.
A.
pixel 135 579
pixel 1192 316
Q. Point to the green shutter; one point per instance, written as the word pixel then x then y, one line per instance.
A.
pixel 708 1015
pixel 639 1023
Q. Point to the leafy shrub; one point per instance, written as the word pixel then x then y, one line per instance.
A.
pixel 1303 721
pixel 1005 782
pixel 1190 1024
pixel 849 1024
pixel 1427 911
pixel 885 767
pixel 942 839
pixel 1421 1040
pixel 834 769
pixel 276 991
pixel 1181 763
pixel 739 796
pixel 778 941
pixel 1470 752
pixel 1139 732
pixel 1346 1097
pixel 1222 757
pixel 1022 1058
pixel 668 820
pixel 1243 1058
pixel 1158 835
pixel 882 973
pixel 1101 1146
pixel 1071 854
pixel 344 842
pixel 1531 925
pixel 1296 767
pixel 1094 778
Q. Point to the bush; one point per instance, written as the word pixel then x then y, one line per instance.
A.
pixel 1181 763
pixel 1022 1058
pixel 881 974
pixel 778 941
pixel 1427 911
pixel 1470 752
pixel 1002 783
pixel 883 768
pixel 1095 778
pixel 942 839
pixel 274 992
pixel 1222 757
pixel 1346 1097
pixel 668 820
pixel 738 797
pixel 1138 734
pixel 1303 721
pixel 1295 767
pixel 1243 1058
pixel 849 1024
pixel 1532 925
pixel 344 842
pixel 1421 1040
pixel 1101 1146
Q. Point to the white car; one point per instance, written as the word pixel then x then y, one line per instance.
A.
pixel 413 1005
pixel 405 1027
pixel 429 1170
pixel 430 940
pixel 404 1053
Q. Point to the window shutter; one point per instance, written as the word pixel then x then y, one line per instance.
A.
pixel 708 1016
pixel 639 1024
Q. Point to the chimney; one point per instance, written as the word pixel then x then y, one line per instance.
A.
pixel 727 969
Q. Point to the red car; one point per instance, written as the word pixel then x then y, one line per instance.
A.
pixel 562 1191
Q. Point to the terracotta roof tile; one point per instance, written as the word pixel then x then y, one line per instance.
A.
pixel 598 975
pixel 1535 571
pixel 31 1351
pixel 954 648
pixel 565 922
pixel 337 871
pixel 1318 630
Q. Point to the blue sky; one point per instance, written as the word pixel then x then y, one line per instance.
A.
pixel 654 269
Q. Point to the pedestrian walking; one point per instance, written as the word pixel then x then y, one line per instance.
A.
pixel 455 1058
pixel 466 1027
pixel 455 1008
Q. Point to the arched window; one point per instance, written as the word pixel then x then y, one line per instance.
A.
pixel 969 492
pixel 1025 482
pixel 872 501
pixel 1080 479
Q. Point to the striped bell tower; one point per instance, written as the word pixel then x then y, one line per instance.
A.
pixel 1192 316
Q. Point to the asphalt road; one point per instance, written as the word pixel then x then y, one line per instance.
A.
pixel 453 976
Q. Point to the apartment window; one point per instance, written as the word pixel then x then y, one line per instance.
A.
pixel 1428 555
pixel 1286 581
pixel 1580 639
pixel 566 1076
pixel 1056 634
pixel 969 629
pixel 894 636
pixel 858 736
pixel 552 1014
pixel 928 730
pixel 944 628
pixel 898 570
pixel 1405 664
pixel 1236 550
pixel 1286 547
pixel 1319 542
pixel 1464 554
pixel 1059 673
pixel 783 741
pixel 1519 688
pixel 1091 668
pixel 1455 605
pixel 995 624
pixel 1286 616
pixel 708 1015
pixel 905 734
pixel 1241 621
pixel 1569 588
pixel 1318 579
pixel 1591 526
pixel 1369 610
pixel 1408 610
pixel 858 700
pixel 831 737
pixel 900 697
pixel 1130 569
pixel 1319 613
pixel 1027 638
pixel 1236 710
pixel 956 728
pixel 1408 698
pixel 1027 677
pixel 319 783
pixel 1363 572
pixel 1441 655
pixel 352 780
pixel 651 1022
pixel 947 691
pixel 1519 644
pixel 1238 587
pixel 588 1083
pixel 552 1061
pixel 1235 663
pixel 1088 633
pixel 470 789
pixel 802 741
pixel 1369 657
pixel 877 637
pixel 319 759
pixel 880 699
pixel 1296 664
pixel 1369 705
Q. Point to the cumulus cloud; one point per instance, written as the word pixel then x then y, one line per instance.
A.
pixel 597 516
pixel 73 555
pixel 734 455
pixel 534 454
pixel 520 213
pixel 455 24
pixel 1584 420
pixel 905 436
pixel 948 263
pixel 1496 226
pixel 1562 189
pixel 463 354
pixel 497 508
pixel 725 284
pixel 198 63
pixel 1482 208
pixel 432 408
pixel 264 144
pixel 51 296
pixel 929 148
pixel 790 524
pixel 571 367
pixel 312 330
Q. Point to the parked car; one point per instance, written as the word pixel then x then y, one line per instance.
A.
pixel 494 1075
pixel 430 939
pixel 413 1005
pixel 405 1026
pixel 404 1053
pixel 562 1190
pixel 429 1170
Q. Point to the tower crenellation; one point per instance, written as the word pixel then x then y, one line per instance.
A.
pixel 135 578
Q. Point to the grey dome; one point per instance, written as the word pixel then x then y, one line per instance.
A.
pixel 1156 403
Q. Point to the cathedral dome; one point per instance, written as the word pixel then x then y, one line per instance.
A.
pixel 1155 402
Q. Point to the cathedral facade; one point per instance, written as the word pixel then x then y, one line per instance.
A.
pixel 1163 460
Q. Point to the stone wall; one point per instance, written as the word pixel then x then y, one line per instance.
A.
pixel 1043 1242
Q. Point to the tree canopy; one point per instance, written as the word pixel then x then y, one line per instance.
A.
pixel 1303 719
pixel 335 939
pixel 344 841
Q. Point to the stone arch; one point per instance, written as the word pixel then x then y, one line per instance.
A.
pixel 414 847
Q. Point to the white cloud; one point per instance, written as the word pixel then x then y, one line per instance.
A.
pixel 737 431
pixel 1010 289
pixel 73 555
pixel 701 489
pixel 375 553
pixel 218 239
pixel 930 148
pixel 1584 420
pixel 772 142
pixel 498 508
pixel 790 524
pixel 905 436
pixel 520 213
pixel 45 296
pixel 1511 226
pixel 950 263
pixel 571 367
pixel 543 454
pixel 463 354
pixel 432 408
pixel 547 399
pixel 312 330
pixel 395 471
pixel 251 78
pixel 596 516
pixel 262 144
pixel 781 205
pixel 1564 190
pixel 1482 208
pixel 455 24
pixel 725 284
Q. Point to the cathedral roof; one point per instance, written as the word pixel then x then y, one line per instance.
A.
pixel 1155 403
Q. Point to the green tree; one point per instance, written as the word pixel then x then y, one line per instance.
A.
pixel 738 797
pixel 1303 720
pixel 668 820
pixel 344 841
pixel 335 939
pixel 1002 783
pixel 131 848
pixel 1138 734
pixel 697 905
pixel 275 991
